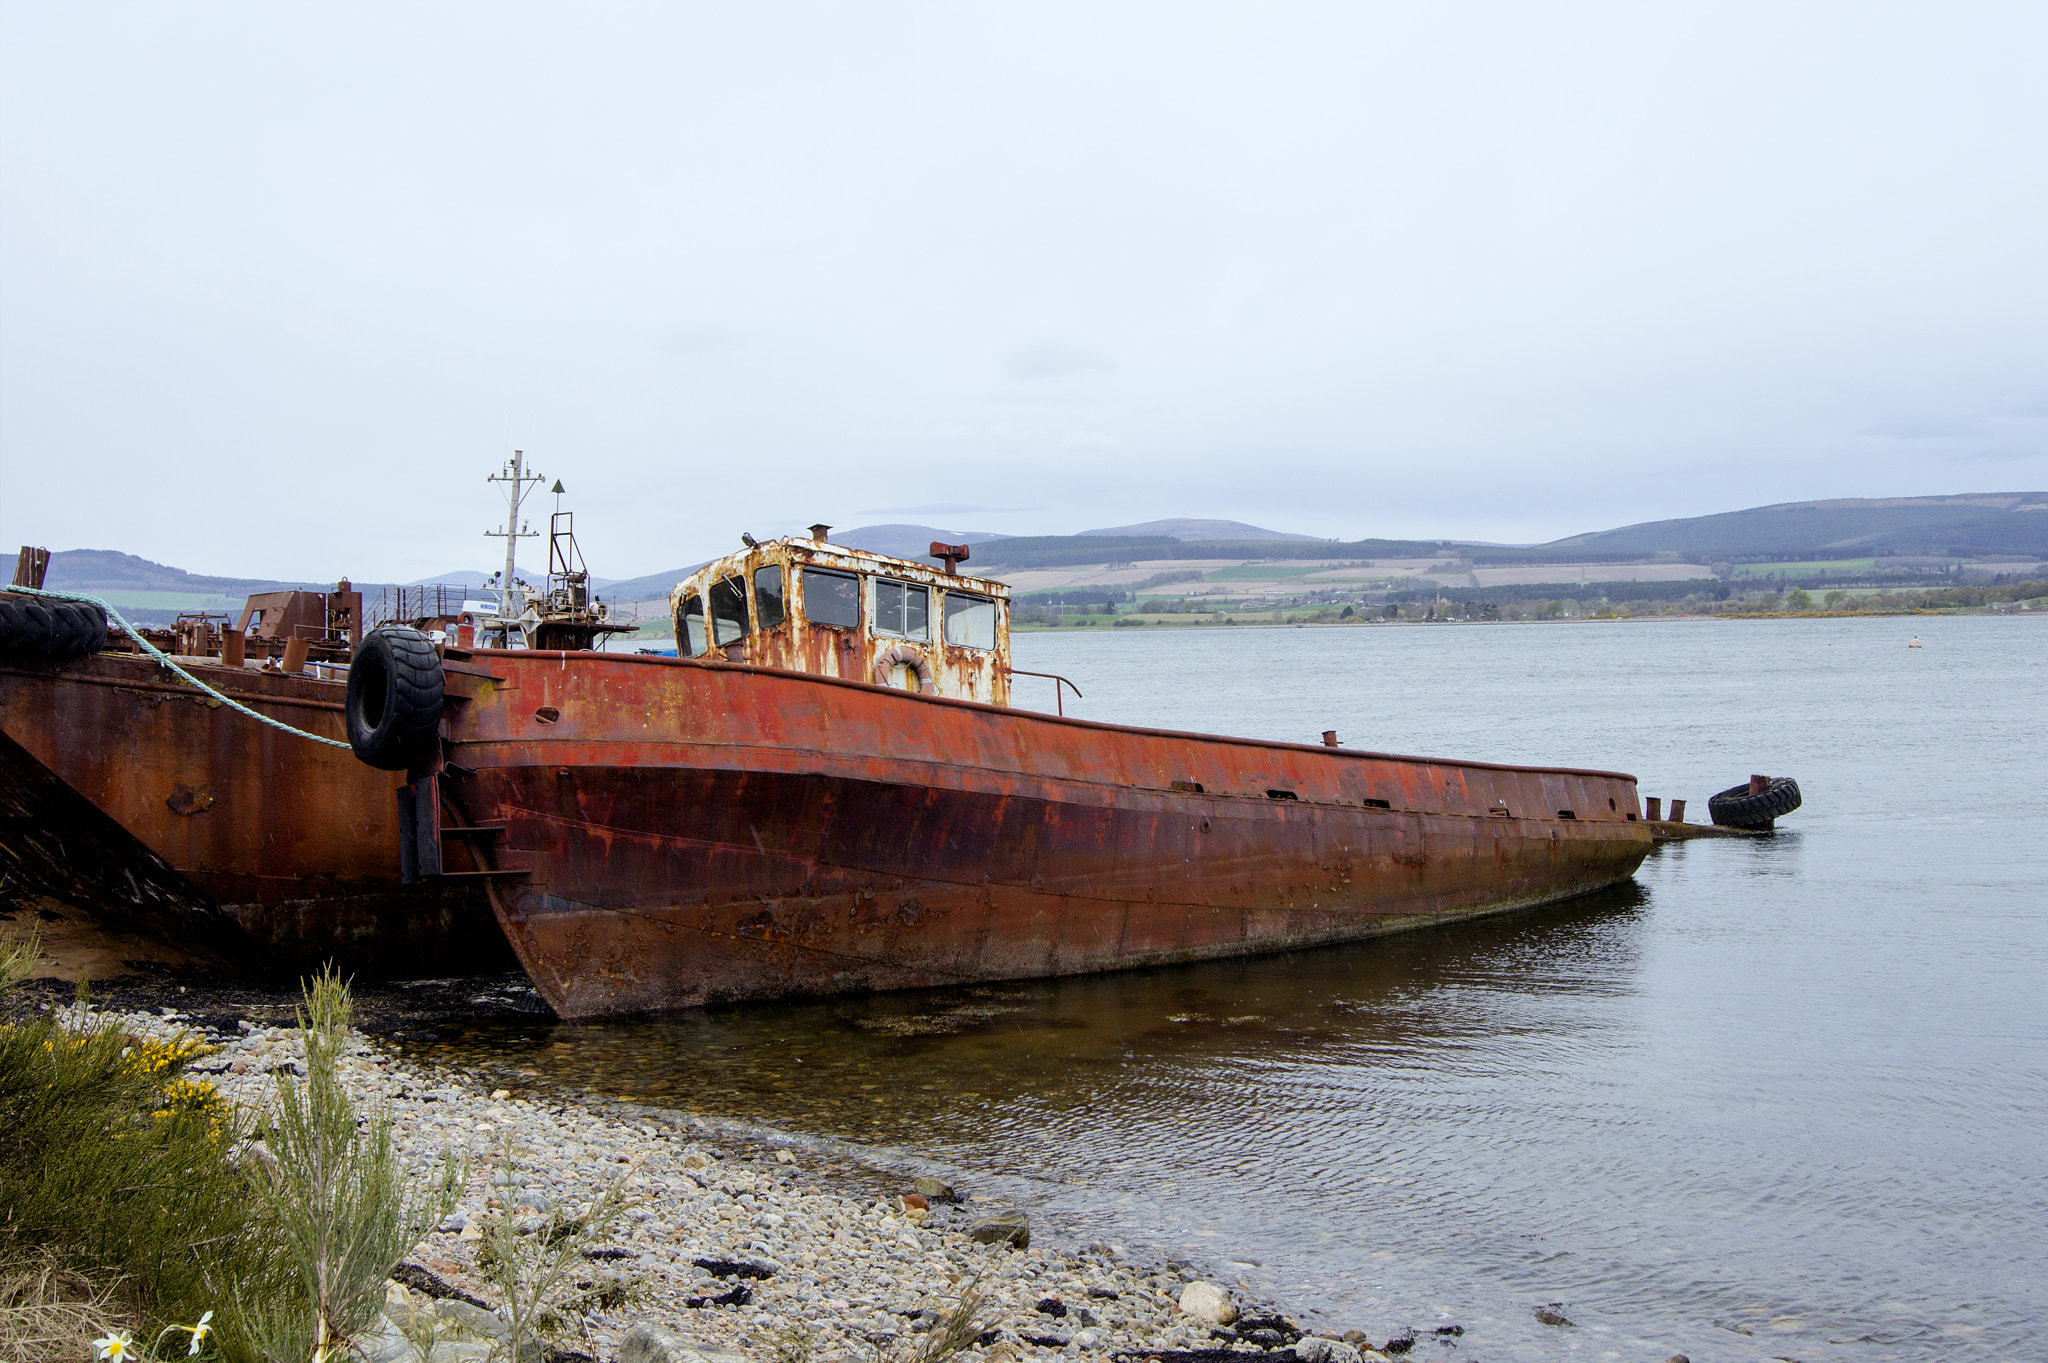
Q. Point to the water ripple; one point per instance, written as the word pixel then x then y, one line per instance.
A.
pixel 1778 1098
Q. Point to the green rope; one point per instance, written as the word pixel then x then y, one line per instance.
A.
pixel 164 658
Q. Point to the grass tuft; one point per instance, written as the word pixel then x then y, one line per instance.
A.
pixel 335 1202
pixel 48 1311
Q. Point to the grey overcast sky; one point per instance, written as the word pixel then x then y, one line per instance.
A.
pixel 280 284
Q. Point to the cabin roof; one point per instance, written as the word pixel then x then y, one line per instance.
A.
pixel 825 554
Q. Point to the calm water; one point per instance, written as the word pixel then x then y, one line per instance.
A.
pixel 1779 1098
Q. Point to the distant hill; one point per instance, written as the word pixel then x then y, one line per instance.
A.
pixel 1185 529
pixel 1050 551
pixel 1963 526
pixel 1060 551
pixel 466 578
pixel 1966 525
pixel 99 571
pixel 908 541
pixel 1957 527
pixel 150 593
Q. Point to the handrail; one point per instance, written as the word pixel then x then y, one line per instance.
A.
pixel 1058 698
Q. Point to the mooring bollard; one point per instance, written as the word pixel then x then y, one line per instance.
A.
pixel 1329 738
pixel 1678 811
pixel 1653 808
pixel 294 656
pixel 1759 784
pixel 233 644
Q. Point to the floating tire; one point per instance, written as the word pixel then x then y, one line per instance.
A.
pixel 1737 807
pixel 32 631
pixel 393 705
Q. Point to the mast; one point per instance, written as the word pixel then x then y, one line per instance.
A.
pixel 516 480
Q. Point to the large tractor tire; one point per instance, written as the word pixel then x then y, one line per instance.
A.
pixel 1737 807
pixel 393 704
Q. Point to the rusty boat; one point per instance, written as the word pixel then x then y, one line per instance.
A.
pixel 829 790
pixel 127 792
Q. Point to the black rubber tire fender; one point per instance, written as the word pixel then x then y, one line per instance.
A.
pixel 55 631
pixel 17 636
pixel 40 631
pixel 84 629
pixel 393 704
pixel 1736 807
pixel 97 628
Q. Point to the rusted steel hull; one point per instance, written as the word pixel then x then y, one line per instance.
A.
pixel 682 833
pixel 128 794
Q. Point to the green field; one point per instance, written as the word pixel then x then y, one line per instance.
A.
pixel 1279 572
pixel 169 601
pixel 1822 568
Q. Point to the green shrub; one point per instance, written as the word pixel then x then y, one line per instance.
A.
pixel 116 1169
pixel 131 1196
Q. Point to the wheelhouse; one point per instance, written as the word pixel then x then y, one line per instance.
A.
pixel 808 605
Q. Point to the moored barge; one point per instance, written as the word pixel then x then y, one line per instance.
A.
pixel 140 794
pixel 829 791
pixel 125 792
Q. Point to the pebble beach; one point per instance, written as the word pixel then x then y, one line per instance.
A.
pixel 726 1244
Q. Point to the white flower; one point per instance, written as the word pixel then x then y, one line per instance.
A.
pixel 114 1347
pixel 199 1333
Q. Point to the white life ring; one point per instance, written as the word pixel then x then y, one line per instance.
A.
pixel 904 655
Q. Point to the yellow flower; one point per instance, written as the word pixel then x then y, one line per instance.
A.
pixel 155 1056
pixel 115 1348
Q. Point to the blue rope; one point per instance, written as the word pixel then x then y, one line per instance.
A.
pixel 164 658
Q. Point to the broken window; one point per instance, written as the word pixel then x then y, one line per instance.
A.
pixel 902 609
pixel 728 611
pixel 690 636
pixel 970 620
pixel 768 612
pixel 831 598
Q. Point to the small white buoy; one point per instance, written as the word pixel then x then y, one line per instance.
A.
pixel 1913 642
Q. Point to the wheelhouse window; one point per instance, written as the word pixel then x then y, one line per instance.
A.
pixel 690 636
pixel 970 620
pixel 728 611
pixel 831 598
pixel 768 608
pixel 902 609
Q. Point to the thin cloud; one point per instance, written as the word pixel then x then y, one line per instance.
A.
pixel 698 340
pixel 1053 360
pixel 943 509
pixel 1937 428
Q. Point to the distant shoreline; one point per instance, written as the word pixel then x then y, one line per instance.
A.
pixel 1016 629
